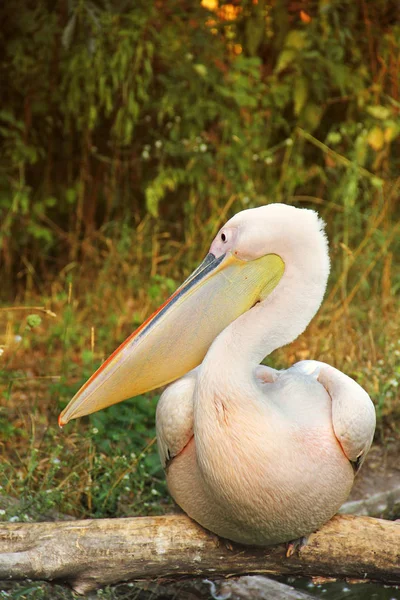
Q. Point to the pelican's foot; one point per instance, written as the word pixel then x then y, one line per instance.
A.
pixel 295 546
pixel 220 541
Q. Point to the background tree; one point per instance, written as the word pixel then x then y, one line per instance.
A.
pixel 112 110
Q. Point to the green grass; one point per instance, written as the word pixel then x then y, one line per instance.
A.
pixel 47 591
pixel 107 464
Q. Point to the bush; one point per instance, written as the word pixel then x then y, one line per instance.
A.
pixel 116 110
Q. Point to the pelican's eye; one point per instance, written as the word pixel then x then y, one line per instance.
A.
pixel 227 235
pixel 224 241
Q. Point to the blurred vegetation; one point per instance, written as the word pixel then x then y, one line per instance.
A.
pixel 114 111
pixel 130 131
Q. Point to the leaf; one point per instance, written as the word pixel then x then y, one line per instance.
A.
pixel 285 59
pixel 92 117
pixel 378 111
pixel 305 17
pixel 6 115
pixel 377 182
pixel 200 69
pixel 70 195
pixel 333 137
pixel 254 34
pixel 300 94
pixel 33 321
pixel 376 139
pixel 152 201
pixel 361 147
pixel 26 591
pixel 68 32
pixel 391 132
pixel 312 114
pixel 296 39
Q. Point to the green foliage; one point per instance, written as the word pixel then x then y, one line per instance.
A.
pixel 33 321
pixel 116 110
pixel 115 469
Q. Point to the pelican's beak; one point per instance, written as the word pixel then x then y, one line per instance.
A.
pixel 176 337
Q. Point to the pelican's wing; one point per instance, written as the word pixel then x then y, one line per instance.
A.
pixel 174 417
pixel 353 413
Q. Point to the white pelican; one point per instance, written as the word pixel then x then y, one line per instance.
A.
pixel 255 455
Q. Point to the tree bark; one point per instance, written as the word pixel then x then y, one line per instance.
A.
pixel 93 553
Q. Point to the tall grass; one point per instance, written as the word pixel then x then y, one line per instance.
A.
pixel 106 464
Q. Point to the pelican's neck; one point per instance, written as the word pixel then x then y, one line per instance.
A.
pixel 275 322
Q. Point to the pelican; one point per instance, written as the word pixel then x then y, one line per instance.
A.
pixel 255 455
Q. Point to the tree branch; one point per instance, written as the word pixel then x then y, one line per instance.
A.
pixel 93 553
pixel 385 504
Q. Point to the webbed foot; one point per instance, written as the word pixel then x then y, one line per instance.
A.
pixel 295 546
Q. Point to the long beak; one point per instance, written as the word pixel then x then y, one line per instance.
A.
pixel 176 337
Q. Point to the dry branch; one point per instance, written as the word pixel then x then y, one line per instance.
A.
pixel 384 504
pixel 93 553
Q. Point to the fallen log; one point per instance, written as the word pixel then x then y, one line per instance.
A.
pixel 93 553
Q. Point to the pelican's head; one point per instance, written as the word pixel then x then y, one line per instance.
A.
pixel 245 263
